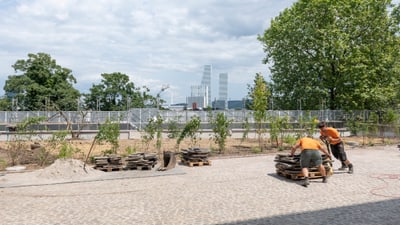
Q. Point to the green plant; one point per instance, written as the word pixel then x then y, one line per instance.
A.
pixel 370 143
pixel 364 129
pixel 109 132
pixel 3 164
pixel 43 156
pixel 278 126
pixel 191 130
pixel 220 126
pixel 173 129
pixel 66 151
pixel 291 140
pixel 56 142
pixel 246 130
pixel 151 130
pixel 24 132
pixel 159 130
pixel 130 150
pixel 256 150
pixel 354 125
pixel 108 152
pixel 259 93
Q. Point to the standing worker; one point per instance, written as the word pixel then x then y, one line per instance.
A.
pixel 332 136
pixel 309 153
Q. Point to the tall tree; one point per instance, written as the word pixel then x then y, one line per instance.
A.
pixel 115 93
pixel 259 95
pixel 339 54
pixel 41 84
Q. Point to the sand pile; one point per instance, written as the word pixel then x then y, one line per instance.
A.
pixel 67 169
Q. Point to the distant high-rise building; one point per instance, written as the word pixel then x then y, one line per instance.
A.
pixel 223 86
pixel 221 103
pixel 206 82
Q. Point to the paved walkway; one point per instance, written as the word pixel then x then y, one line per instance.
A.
pixel 230 191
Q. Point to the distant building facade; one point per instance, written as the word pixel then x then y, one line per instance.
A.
pixel 198 98
pixel 237 104
pixel 223 90
pixel 206 82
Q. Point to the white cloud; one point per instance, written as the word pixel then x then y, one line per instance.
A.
pixel 154 42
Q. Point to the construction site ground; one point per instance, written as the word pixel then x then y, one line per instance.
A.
pixel 232 190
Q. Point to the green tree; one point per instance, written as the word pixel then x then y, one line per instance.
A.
pixel 152 130
pixel 259 95
pixel 278 126
pixel 220 126
pixel 191 130
pixel 109 132
pixel 116 93
pixel 340 53
pixel 41 84
pixel 5 104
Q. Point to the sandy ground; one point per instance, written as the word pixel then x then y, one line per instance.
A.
pixel 234 147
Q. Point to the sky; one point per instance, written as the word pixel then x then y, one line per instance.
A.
pixel 155 42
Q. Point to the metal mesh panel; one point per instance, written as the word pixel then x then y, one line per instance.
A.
pixel 140 117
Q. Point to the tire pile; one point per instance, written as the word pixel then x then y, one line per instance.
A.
pixel 289 167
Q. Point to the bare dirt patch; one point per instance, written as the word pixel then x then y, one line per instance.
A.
pixel 234 147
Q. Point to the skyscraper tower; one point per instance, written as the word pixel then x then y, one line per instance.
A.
pixel 206 82
pixel 223 86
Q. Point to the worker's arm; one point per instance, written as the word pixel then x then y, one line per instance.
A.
pixel 294 149
pixel 325 152
pixel 331 139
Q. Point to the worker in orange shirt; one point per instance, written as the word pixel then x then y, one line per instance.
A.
pixel 332 137
pixel 310 154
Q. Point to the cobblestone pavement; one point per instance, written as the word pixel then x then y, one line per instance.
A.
pixel 230 191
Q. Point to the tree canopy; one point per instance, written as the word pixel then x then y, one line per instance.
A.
pixel 340 54
pixel 116 93
pixel 41 84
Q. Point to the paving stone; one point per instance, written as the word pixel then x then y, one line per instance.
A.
pixel 232 191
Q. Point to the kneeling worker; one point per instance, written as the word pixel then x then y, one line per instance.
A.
pixel 309 153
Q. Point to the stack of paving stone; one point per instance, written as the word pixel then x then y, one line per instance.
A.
pixel 108 163
pixel 289 167
pixel 141 161
pixel 195 156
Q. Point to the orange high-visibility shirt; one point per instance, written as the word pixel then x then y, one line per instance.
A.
pixel 309 143
pixel 331 132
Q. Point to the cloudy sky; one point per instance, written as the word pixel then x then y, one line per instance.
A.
pixel 155 42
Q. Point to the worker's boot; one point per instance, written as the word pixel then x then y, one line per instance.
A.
pixel 351 169
pixel 344 167
pixel 306 182
pixel 324 179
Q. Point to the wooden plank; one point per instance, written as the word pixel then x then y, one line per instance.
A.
pixel 200 163
pixel 295 175
pixel 110 168
pixel 148 167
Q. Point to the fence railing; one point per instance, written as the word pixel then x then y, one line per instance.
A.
pixel 141 116
pixel 137 119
